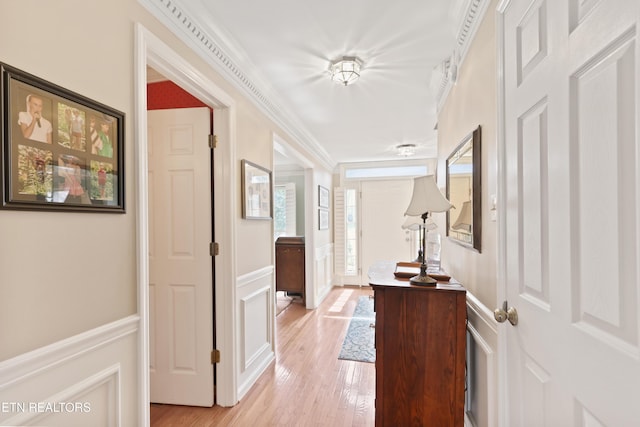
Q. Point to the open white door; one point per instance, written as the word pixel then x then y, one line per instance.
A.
pixel 571 215
pixel 180 264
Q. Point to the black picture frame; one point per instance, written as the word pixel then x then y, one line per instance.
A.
pixel 323 219
pixel 323 197
pixel 60 151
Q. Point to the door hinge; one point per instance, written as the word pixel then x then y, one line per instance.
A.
pixel 214 249
pixel 215 356
pixel 213 141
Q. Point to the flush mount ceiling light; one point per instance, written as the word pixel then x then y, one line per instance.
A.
pixel 346 71
pixel 406 150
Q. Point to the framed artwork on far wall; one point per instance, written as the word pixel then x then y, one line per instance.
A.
pixel 256 191
pixel 323 219
pixel 60 151
pixel 323 197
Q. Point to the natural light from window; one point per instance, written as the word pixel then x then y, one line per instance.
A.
pixel 351 231
pixel 385 172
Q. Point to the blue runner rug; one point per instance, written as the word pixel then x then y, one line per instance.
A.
pixel 358 344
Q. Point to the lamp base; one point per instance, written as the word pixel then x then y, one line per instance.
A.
pixel 423 280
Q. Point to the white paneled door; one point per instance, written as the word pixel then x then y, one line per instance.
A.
pixel 382 215
pixel 571 222
pixel 180 265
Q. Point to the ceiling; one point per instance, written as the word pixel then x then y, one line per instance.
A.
pixel 284 48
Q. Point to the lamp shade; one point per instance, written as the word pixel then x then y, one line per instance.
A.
pixel 414 223
pixel 464 221
pixel 426 197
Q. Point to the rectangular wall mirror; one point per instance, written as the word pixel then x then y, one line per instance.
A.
pixel 464 223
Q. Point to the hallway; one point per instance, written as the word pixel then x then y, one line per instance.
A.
pixel 307 385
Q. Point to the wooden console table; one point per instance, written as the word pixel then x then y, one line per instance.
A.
pixel 290 271
pixel 420 343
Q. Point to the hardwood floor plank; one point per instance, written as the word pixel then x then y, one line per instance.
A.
pixel 307 385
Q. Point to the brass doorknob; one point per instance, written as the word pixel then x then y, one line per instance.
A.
pixel 503 314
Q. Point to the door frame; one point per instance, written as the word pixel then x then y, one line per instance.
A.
pixel 502 397
pixel 150 50
pixel 286 149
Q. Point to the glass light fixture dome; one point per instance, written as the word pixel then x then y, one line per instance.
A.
pixel 346 71
pixel 406 150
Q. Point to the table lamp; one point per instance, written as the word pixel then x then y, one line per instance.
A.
pixel 426 198
pixel 415 224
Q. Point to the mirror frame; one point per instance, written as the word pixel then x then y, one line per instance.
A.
pixel 476 190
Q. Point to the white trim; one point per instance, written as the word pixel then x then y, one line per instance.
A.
pixel 311 301
pixel 323 267
pixel 142 214
pixel 482 327
pixel 502 386
pixel 111 377
pixel 482 311
pixel 203 40
pixel 282 146
pixel 30 364
pixel 252 276
pixel 254 365
pixel 448 69
pixel 267 347
pixel 151 50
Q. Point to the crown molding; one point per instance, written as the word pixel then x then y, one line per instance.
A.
pixel 446 73
pixel 216 52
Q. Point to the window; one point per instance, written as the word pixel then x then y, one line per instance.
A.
pixel 284 210
pixel 351 232
pixel 385 172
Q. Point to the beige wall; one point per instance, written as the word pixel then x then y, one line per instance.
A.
pixel 472 102
pixel 65 273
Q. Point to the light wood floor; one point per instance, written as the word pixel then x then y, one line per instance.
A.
pixel 307 385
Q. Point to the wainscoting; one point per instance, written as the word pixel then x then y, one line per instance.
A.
pixel 87 379
pixel 323 272
pixel 481 403
pixel 256 311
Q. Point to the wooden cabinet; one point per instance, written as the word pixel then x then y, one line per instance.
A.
pixel 290 265
pixel 420 343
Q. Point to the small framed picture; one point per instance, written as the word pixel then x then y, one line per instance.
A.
pixel 256 191
pixel 323 197
pixel 323 219
pixel 60 150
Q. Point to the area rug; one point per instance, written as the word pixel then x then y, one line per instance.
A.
pixel 358 344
